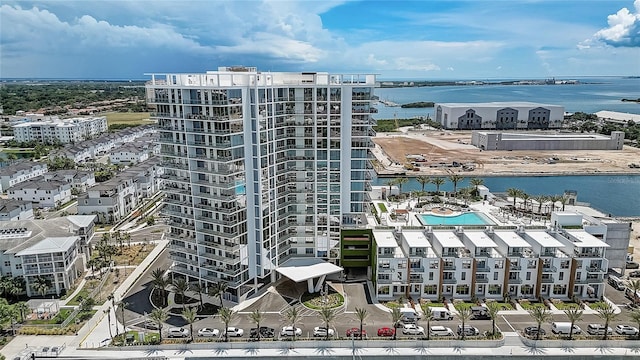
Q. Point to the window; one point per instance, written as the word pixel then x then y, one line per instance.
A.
pixel 528 275
pixel 430 275
pixel 466 264
pixel 462 289
pixel 495 289
pixel 383 290
pixel 564 264
pixel 383 276
pixel 7 263
pixel 430 289
pixel 463 276
pixel 561 275
pixel 495 275
pixel 559 289
pixel 384 264
pixel 499 264
pixel 433 264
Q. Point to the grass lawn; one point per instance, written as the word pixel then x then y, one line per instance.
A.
pixel 434 304
pixel 60 317
pixel 84 292
pixel 316 301
pixel 131 118
pixel 561 305
pixel 383 207
pixel 598 305
pixel 134 254
pixel 530 306
pixel 505 306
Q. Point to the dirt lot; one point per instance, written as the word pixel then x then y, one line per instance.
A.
pixel 447 147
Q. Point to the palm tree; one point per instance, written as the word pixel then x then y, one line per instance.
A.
pixel 525 199
pixel 514 193
pixel 159 316
pixel 256 316
pixel 465 194
pixel 554 199
pixel 574 314
pixel 540 199
pixel 455 179
pixel 123 305
pixel 635 316
pixel 438 181
pixel 189 315
pixel 464 313
pixel 41 285
pixel 217 290
pixel 401 181
pixel 226 315
pixel 160 282
pixel 293 316
pixel 390 184
pixel 423 180
pixel 419 194
pixel 634 286
pixel 428 315
pixel 564 200
pixel 540 315
pixel 180 287
pixel 492 310
pixel 199 289
pixel 396 316
pixel 476 182
pixel 328 315
pixel 23 309
pixel 607 314
pixel 112 298
pixel 361 314
pixel 107 312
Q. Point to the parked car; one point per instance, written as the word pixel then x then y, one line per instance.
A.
pixel 532 330
pixel 480 313
pixel 598 329
pixel 355 332
pixel 45 349
pixel 468 330
pixel 265 332
pixel 626 330
pixel 635 273
pixel 233 332
pixel 438 330
pixel 176 332
pixel 386 331
pixel 55 350
pixel 616 282
pixel 412 329
pixel 322 331
pixel 632 265
pixel 209 332
pixel 290 331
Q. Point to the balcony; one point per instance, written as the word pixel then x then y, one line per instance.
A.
pixel 549 269
pixel 483 269
pixel 596 269
pixel 385 281
pixel 449 266
pixel 514 281
pixel 449 281
pixel 515 267
pixel 482 280
pixel 547 280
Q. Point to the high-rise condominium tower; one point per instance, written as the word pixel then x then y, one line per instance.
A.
pixel 261 168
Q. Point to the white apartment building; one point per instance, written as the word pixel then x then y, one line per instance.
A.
pixel 42 193
pixel 53 129
pixel 128 154
pixel 50 249
pixel 261 168
pixel 554 265
pixel 13 210
pixel 78 179
pixel 456 264
pixel 522 265
pixel 20 172
pixel 488 266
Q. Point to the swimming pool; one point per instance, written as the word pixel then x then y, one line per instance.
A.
pixel 469 218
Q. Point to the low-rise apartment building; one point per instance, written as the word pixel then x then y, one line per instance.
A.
pixel 488 266
pixel 42 193
pixel 20 172
pixel 521 265
pixel 78 179
pixel 128 154
pixel 53 129
pixel 13 210
pixel 45 249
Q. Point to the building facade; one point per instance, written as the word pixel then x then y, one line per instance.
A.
pixel 20 172
pixel 499 116
pixel 53 129
pixel 487 140
pixel 260 168
pixel 42 193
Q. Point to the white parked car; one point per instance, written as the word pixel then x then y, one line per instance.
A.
pixel 234 332
pixel 322 331
pixel 412 329
pixel 441 331
pixel 176 332
pixel 626 330
pixel 289 331
pixel 209 332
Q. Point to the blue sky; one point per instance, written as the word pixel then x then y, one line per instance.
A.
pixel 394 39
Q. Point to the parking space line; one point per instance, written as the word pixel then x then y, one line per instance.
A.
pixel 508 323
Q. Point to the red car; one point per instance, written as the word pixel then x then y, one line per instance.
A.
pixel 385 331
pixel 355 332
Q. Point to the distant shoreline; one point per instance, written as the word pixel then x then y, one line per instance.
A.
pixel 472 174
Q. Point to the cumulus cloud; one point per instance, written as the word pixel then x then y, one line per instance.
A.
pixel 624 28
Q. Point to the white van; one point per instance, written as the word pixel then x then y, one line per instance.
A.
pixel 441 313
pixel 598 329
pixel 409 315
pixel 616 282
pixel 564 328
pixel 438 330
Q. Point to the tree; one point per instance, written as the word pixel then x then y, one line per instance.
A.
pixel 292 315
pixel 607 314
pixel 525 199
pixel 464 313
pixel 180 287
pixel 361 314
pixel 634 285
pixel 423 180
pixel 41 285
pixel 514 193
pixel 123 305
pixel 256 316
pixel 540 315
pixel 492 310
pixel 107 312
pixel 455 179
pixel 635 316
pixel 23 309
pixel 160 282
pixel 218 290
pixel 199 289
pixel 540 199
pixel 189 315
pixel 564 200
pixel 159 316
pixel 390 184
pixel 438 181
pixel 428 316
pixel 112 298
pixel 476 182
pixel 574 314
pixel 396 316
pixel 401 181
pixel 328 315
pixel 226 315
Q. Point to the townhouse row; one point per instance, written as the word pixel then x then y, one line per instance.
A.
pixel 488 264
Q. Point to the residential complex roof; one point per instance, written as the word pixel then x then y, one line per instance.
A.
pixel 480 240
pixel 49 245
pixel 385 238
pixel 512 239
pixel 416 238
pixel 581 238
pixel 301 269
pixel 544 239
pixel 448 239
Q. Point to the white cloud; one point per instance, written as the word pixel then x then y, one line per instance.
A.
pixel 624 28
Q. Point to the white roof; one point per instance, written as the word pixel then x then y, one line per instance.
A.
pixel 416 239
pixel 512 239
pixel 50 245
pixel 544 239
pixel 448 239
pixel 385 238
pixel 480 240
pixel 581 238
pixel 301 269
pixel 82 220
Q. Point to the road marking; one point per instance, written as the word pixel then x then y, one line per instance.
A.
pixel 508 323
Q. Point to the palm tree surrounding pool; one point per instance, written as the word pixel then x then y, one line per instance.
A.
pixel 469 218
